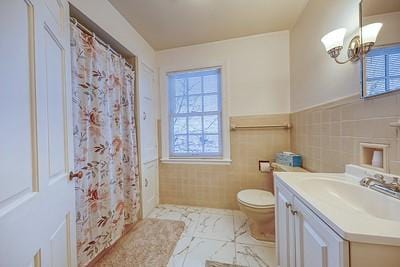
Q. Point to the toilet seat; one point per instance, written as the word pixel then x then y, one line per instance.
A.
pixel 256 198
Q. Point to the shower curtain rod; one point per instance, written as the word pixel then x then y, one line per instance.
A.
pixel 75 22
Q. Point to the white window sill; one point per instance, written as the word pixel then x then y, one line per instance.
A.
pixel 196 161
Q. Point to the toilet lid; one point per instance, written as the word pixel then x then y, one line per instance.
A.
pixel 257 198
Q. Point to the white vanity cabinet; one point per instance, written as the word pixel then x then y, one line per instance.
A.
pixel 304 240
pixel 285 235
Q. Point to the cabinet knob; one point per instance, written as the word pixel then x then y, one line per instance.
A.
pixel 288 205
pixel 146 182
pixel 294 212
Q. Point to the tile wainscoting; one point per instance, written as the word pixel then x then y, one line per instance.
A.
pixel 329 136
pixel 216 186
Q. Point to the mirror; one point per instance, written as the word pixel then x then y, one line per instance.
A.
pixel 381 65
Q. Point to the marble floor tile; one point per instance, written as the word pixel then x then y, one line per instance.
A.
pixel 189 215
pixel 255 256
pixel 181 249
pixel 217 211
pixel 242 230
pixel 215 234
pixel 215 226
pixel 201 249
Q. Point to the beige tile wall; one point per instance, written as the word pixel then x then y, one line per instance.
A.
pixel 329 136
pixel 217 185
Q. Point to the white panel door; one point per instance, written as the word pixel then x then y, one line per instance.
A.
pixel 37 200
pixel 149 187
pixel 148 140
pixel 284 228
pixel 148 122
pixel 316 244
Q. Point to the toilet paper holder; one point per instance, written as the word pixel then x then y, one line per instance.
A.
pixel 264 166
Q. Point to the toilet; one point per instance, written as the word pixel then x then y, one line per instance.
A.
pixel 259 206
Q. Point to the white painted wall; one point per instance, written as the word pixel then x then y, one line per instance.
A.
pixel 389 33
pixel 258 79
pixel 110 20
pixel 315 77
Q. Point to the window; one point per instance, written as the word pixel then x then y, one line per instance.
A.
pixel 382 70
pixel 195 114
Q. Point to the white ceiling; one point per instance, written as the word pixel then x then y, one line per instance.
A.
pixel 174 23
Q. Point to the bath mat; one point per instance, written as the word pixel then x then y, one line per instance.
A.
pixel 219 264
pixel 149 243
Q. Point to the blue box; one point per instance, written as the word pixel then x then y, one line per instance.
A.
pixel 288 159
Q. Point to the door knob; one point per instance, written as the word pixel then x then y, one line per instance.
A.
pixel 73 175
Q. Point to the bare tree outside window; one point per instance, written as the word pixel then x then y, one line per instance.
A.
pixel 195 113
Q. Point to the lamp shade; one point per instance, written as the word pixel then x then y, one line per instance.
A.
pixel 370 32
pixel 334 39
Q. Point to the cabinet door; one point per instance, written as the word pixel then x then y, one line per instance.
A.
pixel 317 245
pixel 284 227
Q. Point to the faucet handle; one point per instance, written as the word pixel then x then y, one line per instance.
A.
pixel 396 180
pixel 380 177
pixel 364 181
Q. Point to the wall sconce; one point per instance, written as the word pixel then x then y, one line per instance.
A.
pixel 333 42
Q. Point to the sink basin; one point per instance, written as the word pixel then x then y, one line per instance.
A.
pixel 354 212
pixel 352 195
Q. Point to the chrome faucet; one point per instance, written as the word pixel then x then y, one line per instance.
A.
pixel 378 178
pixel 379 184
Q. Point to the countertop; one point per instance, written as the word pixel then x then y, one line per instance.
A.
pixel 350 221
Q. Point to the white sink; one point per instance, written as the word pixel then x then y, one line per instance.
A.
pixel 352 195
pixel 355 212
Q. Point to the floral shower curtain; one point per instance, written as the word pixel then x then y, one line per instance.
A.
pixel 107 196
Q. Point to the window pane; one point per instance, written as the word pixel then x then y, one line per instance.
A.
pixel 194 85
pixel 211 124
pixel 210 103
pixel 195 112
pixel 179 86
pixel 195 125
pixel 375 66
pixel 195 104
pixel 210 83
pixel 394 65
pixel 180 126
pixel 375 86
pixel 394 83
pixel 211 144
pixel 180 144
pixel 195 144
pixel 181 105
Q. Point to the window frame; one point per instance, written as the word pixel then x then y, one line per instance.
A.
pixel 224 157
pixel 172 114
